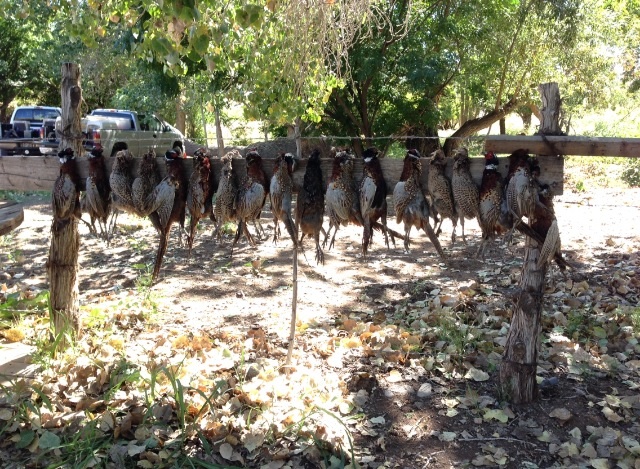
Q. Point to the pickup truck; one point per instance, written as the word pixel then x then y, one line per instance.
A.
pixel 30 129
pixel 117 129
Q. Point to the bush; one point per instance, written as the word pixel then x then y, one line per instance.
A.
pixel 631 174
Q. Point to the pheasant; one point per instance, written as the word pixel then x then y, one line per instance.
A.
pixel 121 180
pixel 97 199
pixel 148 178
pixel 439 189
pixel 167 204
pixel 199 193
pixel 545 223
pixel 373 199
pixel 522 191
pixel 409 201
pixel 65 199
pixel 310 203
pixel 342 201
pixel 494 215
pixel 465 192
pixel 280 193
pixel 224 209
pixel 251 196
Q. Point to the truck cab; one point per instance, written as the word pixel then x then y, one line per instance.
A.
pixel 29 119
pixel 118 129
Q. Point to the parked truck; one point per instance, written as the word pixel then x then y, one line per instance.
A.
pixel 117 129
pixel 30 131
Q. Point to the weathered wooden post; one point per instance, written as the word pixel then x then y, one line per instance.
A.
pixel 520 358
pixel 65 240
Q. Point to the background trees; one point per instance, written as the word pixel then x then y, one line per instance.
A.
pixel 347 67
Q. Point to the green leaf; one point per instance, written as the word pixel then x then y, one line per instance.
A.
pixel 26 438
pixel 200 43
pixel 49 440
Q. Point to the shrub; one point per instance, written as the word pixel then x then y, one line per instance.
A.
pixel 631 174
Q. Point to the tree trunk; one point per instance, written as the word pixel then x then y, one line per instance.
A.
pixel 181 118
pixel 503 126
pixel 298 137
pixel 520 358
pixel 65 242
pixel 71 94
pixel 550 110
pixel 219 138
pixel 475 125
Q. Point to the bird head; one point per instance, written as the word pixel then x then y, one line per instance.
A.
pixel 315 155
pixel 490 160
pixel 66 155
pixel 96 152
pixel 180 154
pixel 411 165
pixel 461 152
pixel 171 155
pixel 369 154
pixel 290 160
pixel 253 157
pixel 413 153
pixel 201 152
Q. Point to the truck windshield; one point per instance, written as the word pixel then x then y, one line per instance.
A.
pixel 34 115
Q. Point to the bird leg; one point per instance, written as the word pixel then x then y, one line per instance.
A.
pixel 319 253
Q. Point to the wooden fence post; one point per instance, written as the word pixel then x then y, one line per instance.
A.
pixel 65 240
pixel 520 358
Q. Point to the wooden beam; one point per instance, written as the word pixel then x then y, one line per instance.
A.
pixel 11 216
pixel 566 145
pixel 38 173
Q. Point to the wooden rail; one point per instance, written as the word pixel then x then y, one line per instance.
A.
pixel 11 216
pixel 566 145
pixel 38 173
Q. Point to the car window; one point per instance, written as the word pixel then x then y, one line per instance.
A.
pixel 23 115
pixel 41 114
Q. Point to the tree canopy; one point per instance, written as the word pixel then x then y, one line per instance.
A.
pixel 358 68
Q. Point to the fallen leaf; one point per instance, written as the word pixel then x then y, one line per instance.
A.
pixel 252 440
pixel 495 414
pixel 599 463
pixel 560 413
pixel 611 415
pixel 477 375
pixel 377 420
pixel 226 450
pixel 447 436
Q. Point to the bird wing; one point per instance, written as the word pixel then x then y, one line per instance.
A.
pixel 161 199
pixel 94 203
pixel 275 195
pixel 401 199
pixel 551 244
pixel 64 196
pixel 250 201
pixel 196 198
pixel 465 195
pixel 337 205
pixel 368 190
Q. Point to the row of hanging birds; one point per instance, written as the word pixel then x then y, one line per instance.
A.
pixel 499 206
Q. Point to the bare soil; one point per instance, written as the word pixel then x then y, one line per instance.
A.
pixel 228 296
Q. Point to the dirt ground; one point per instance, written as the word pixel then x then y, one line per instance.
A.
pixel 214 293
